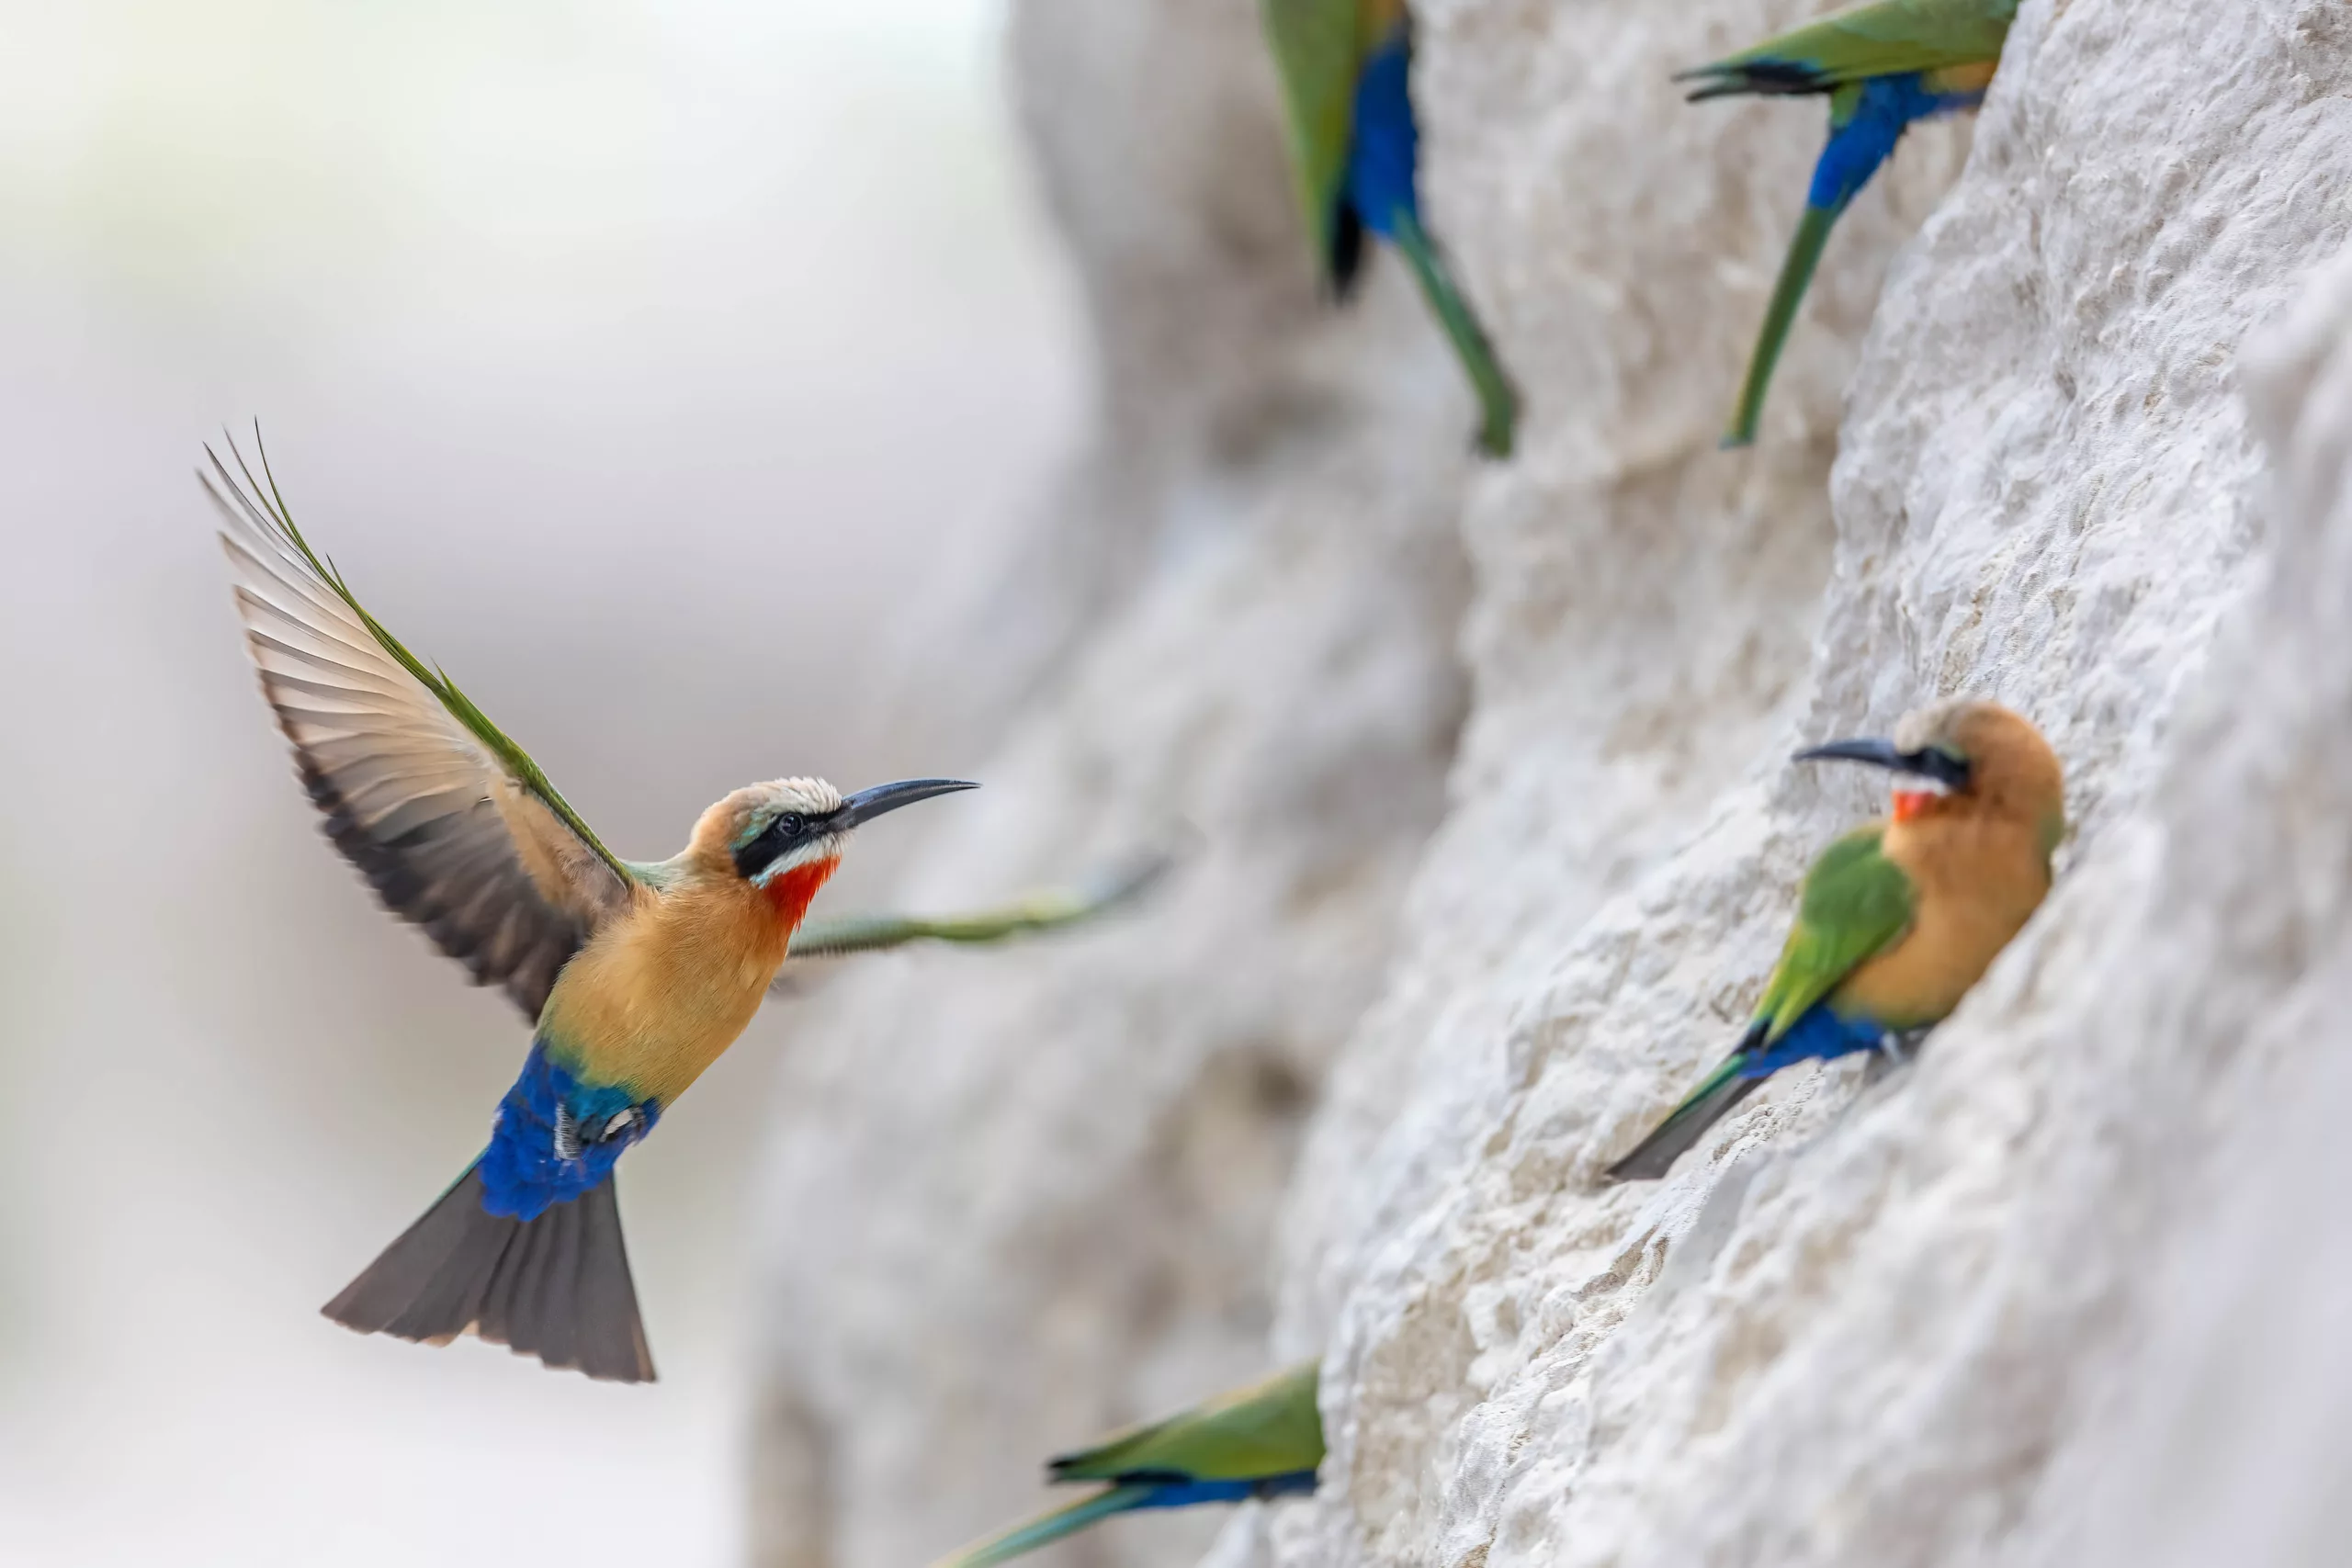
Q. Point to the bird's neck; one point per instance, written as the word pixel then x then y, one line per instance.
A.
pixel 1914 804
pixel 790 893
pixel 1958 842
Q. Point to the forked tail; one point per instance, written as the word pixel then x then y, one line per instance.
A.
pixel 556 1286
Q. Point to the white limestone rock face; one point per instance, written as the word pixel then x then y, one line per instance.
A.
pixel 1022 1197
pixel 1925 1316
pixel 1869 1321
pixel 2220 1437
pixel 1645 604
pixel 1019 1196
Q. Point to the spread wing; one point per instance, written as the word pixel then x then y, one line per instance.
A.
pixel 1855 904
pixel 449 822
pixel 1047 909
pixel 1889 39
pixel 1267 1429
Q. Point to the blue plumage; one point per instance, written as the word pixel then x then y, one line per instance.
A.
pixel 556 1138
pixel 1819 1035
pixel 1184 1493
pixel 1382 152
pixel 1862 141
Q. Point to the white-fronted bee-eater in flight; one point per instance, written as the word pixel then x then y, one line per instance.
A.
pixel 636 975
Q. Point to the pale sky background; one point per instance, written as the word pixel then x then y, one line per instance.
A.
pixel 632 358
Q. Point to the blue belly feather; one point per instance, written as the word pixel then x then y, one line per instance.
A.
pixel 521 1174
pixel 1819 1035
pixel 1860 143
pixel 1385 144
pixel 1184 1493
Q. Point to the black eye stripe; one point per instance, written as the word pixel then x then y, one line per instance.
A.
pixel 788 828
pixel 1943 764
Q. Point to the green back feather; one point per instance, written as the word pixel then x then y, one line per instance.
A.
pixel 1267 1429
pixel 1857 902
pixel 1318 47
pixel 513 758
pixel 1887 39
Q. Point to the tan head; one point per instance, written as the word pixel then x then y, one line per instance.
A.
pixel 1966 756
pixel 785 836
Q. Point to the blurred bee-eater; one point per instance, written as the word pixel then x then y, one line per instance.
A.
pixel 636 975
pixel 1882 66
pixel 1355 152
pixel 1260 1441
pixel 1900 916
pixel 1047 909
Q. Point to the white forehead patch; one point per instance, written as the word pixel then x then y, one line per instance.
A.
pixel 1923 727
pixel 812 797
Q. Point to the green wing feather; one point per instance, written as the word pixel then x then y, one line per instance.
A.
pixel 1857 903
pixel 513 758
pixel 1888 39
pixel 1318 47
pixel 454 827
pixel 1267 1429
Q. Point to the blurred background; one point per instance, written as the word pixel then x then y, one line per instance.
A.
pixel 636 360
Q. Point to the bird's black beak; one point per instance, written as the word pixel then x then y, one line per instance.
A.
pixel 1927 762
pixel 868 804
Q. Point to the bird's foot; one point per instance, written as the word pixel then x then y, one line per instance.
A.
pixel 1901 1047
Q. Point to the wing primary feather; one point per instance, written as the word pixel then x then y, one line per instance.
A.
pixel 450 823
pixel 275 520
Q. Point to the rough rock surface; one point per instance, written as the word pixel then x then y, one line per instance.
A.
pixel 2221 1437
pixel 1859 1324
pixel 1930 1314
pixel 1020 1196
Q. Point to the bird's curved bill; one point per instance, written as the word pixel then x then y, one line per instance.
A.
pixel 868 804
pixel 1941 769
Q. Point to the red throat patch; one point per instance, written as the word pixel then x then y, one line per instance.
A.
pixel 789 894
pixel 1910 804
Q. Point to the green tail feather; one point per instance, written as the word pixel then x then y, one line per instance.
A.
pixel 1045 1527
pixel 1498 399
pixel 1796 274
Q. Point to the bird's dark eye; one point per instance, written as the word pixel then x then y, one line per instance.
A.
pixel 784 830
pixel 1946 765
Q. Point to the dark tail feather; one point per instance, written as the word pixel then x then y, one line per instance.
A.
pixel 1772 78
pixel 1347 252
pixel 1710 1103
pixel 556 1287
